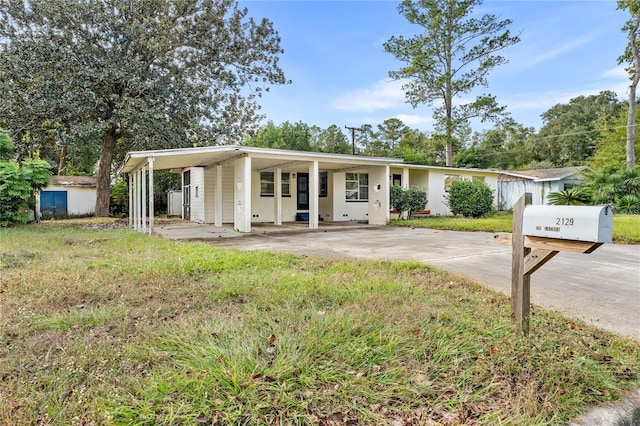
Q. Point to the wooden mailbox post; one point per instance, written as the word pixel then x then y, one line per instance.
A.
pixel 539 233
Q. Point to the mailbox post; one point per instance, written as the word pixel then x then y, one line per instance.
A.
pixel 541 232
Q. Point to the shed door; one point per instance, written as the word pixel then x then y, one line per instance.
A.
pixel 186 195
pixel 53 203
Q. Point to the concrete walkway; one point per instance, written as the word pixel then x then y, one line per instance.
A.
pixel 602 288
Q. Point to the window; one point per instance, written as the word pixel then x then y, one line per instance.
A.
pixel 324 184
pixel 396 180
pixel 267 184
pixel 357 186
pixel 448 180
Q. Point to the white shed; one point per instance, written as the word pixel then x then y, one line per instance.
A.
pixel 512 185
pixel 67 196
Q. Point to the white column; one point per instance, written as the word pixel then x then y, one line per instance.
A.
pixel 277 196
pixel 242 194
pixel 379 195
pixel 151 194
pixel 130 176
pixel 143 201
pixel 405 178
pixel 136 200
pixel 217 220
pixel 314 189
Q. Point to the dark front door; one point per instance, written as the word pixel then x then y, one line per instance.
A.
pixel 303 191
pixel 186 195
pixel 53 203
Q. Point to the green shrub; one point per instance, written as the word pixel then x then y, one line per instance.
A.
pixel 408 200
pixel 470 198
pixel 576 196
pixel 18 183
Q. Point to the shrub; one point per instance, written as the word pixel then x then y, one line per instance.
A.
pixel 576 196
pixel 470 198
pixel 18 183
pixel 408 200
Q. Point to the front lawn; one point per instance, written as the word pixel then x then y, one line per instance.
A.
pixel 626 228
pixel 104 325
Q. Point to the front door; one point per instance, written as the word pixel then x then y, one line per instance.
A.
pixel 303 191
pixel 186 195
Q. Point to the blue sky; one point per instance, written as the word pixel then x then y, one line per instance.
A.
pixel 334 55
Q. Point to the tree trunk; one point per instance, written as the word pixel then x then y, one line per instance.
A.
pixel 631 118
pixel 103 196
pixel 631 127
pixel 63 160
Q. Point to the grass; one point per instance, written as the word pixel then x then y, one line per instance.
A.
pixel 102 325
pixel 626 228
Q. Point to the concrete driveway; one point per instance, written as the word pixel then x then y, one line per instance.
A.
pixel 602 288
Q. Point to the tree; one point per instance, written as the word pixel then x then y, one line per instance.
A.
pixel 453 56
pixel 139 74
pixel 333 140
pixel 631 56
pixel 18 182
pixel 569 135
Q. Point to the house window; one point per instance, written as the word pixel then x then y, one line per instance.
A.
pixel 267 184
pixel 324 184
pixel 396 180
pixel 448 181
pixel 357 186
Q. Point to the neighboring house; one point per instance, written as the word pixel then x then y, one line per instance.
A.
pixel 67 196
pixel 512 185
pixel 245 185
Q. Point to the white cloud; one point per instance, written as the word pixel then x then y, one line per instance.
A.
pixel 382 95
pixel 547 54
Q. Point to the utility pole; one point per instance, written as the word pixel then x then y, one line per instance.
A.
pixel 353 137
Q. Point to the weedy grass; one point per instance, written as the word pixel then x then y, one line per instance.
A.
pixel 626 228
pixel 102 325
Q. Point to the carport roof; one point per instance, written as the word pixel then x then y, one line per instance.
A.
pixel 263 158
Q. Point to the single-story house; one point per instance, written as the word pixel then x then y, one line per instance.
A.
pixel 244 185
pixel 512 185
pixel 67 196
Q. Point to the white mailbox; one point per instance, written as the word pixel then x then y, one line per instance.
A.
pixel 580 223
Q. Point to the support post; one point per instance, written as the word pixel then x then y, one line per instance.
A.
pixel 520 282
pixel 151 196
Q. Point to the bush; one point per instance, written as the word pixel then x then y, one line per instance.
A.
pixel 408 200
pixel 576 196
pixel 470 198
pixel 18 183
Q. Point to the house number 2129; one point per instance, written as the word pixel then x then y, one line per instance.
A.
pixel 564 221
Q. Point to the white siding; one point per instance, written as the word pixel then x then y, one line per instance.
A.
pixel 197 194
pixel 81 201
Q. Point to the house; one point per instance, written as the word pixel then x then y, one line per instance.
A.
pixel 244 185
pixel 67 196
pixel 512 185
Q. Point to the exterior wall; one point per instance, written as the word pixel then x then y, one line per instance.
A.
pixel 263 208
pixel 325 204
pixel 197 192
pixel 378 196
pixel 80 201
pixel 344 210
pixel 512 190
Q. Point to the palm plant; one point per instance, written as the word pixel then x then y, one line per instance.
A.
pixel 576 196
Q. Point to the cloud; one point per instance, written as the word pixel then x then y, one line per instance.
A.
pixel 548 54
pixel 382 95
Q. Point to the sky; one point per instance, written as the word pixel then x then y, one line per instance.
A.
pixel 339 70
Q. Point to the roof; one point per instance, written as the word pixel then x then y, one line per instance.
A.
pixel 84 181
pixel 262 158
pixel 544 175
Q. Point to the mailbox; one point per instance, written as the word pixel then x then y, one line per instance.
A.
pixel 580 223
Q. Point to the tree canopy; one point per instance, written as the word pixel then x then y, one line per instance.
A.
pixel 140 74
pixel 454 55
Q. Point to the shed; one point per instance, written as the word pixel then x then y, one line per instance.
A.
pixel 512 185
pixel 68 196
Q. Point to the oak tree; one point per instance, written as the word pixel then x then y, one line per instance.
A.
pixel 453 55
pixel 134 74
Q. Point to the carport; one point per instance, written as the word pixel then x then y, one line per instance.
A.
pixel 245 185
